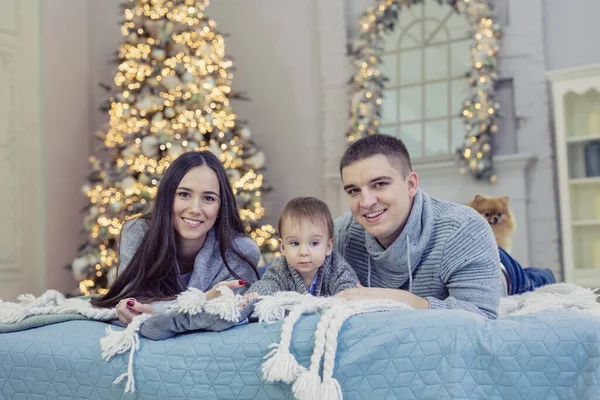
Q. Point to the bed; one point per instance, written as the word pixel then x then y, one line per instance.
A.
pixel 410 354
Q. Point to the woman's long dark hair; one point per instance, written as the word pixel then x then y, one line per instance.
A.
pixel 152 273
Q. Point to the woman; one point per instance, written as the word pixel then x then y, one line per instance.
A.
pixel 193 237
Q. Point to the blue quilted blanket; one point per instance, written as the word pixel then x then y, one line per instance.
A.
pixel 392 355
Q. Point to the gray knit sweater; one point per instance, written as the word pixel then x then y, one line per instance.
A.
pixel 446 253
pixel 209 270
pixel 334 276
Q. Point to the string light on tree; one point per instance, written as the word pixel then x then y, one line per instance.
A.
pixel 479 112
pixel 171 94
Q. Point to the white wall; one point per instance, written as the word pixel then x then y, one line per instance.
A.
pixel 277 64
pixel 103 40
pixel 571 33
pixel 66 130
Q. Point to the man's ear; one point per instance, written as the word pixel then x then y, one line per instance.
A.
pixel 413 183
pixel 329 246
pixel 281 247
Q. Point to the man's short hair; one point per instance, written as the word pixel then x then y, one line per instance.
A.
pixel 307 209
pixel 392 148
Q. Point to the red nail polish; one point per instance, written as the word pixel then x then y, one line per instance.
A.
pixel 242 282
pixel 130 303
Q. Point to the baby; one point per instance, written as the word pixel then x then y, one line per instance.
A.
pixel 308 263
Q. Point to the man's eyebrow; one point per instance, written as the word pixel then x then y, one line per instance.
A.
pixel 380 178
pixel 383 177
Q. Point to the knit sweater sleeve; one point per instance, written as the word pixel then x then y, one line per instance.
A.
pixel 470 269
pixel 343 276
pixel 275 279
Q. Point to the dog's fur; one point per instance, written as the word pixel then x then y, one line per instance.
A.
pixel 496 211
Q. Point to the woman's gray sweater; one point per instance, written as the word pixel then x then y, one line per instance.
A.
pixel 209 270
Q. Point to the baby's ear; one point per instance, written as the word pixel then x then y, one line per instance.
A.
pixel 329 246
pixel 281 247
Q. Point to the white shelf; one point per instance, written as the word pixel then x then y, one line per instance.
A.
pixel 576 107
pixel 583 139
pixel 589 222
pixel 585 181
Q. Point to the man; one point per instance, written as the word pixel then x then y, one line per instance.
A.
pixel 407 246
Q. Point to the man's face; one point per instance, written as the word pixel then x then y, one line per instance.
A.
pixel 380 196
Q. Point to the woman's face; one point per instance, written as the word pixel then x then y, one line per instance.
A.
pixel 196 207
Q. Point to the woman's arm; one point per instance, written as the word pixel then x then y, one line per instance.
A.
pixel 250 250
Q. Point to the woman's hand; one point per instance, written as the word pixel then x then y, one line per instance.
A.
pixel 127 309
pixel 214 293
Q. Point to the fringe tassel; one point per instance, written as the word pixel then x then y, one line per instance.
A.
pixel 307 385
pixel 51 302
pixel 189 302
pixel 118 342
pixel 227 306
pixel 280 365
pixel 330 389
pixel 271 309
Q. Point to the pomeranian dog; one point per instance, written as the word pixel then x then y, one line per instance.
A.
pixel 497 212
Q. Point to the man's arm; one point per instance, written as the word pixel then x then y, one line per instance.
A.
pixel 400 295
pixel 470 269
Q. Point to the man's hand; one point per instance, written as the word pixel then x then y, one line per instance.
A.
pixel 402 296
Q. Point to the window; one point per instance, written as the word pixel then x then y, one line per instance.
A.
pixel 426 59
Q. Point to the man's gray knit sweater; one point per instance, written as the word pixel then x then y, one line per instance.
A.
pixel 334 276
pixel 446 253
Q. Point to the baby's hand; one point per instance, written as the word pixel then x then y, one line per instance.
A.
pixel 248 297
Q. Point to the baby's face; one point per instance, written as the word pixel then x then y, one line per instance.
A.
pixel 305 245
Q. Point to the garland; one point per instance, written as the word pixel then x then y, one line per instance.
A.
pixel 479 112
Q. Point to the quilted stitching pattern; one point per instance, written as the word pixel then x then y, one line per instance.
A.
pixel 401 355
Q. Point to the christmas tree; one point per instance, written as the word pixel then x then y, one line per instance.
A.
pixel 171 94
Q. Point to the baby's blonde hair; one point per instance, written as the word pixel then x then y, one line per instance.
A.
pixel 307 208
